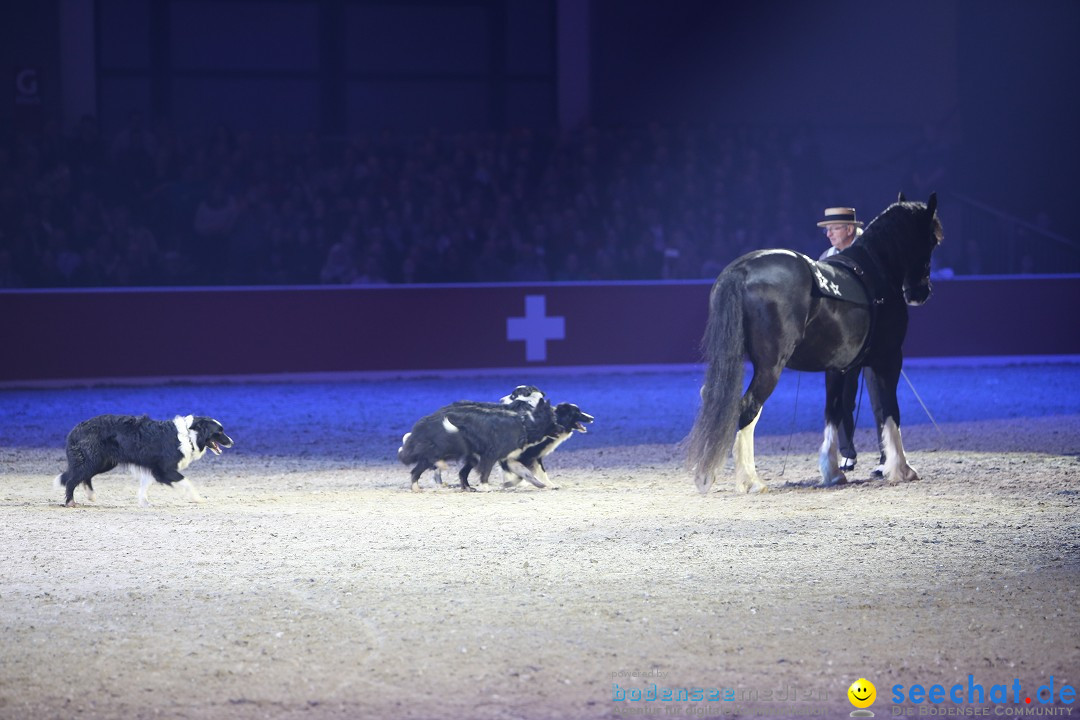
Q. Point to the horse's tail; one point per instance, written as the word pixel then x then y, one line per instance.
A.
pixel 723 347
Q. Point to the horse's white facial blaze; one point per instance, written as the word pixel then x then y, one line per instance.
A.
pixel 828 459
pixel 746 477
pixel 896 464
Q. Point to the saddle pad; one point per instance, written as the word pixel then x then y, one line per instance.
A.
pixel 838 282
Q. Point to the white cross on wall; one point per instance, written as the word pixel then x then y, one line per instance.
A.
pixel 536 328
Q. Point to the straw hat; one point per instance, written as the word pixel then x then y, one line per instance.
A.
pixel 840 216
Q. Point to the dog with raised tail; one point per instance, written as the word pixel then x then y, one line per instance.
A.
pixel 150 449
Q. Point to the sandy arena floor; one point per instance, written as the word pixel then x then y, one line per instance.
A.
pixel 313 584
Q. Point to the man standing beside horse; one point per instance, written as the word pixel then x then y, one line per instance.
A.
pixel 781 309
pixel 841 227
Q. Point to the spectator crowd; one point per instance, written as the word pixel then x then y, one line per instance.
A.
pixel 154 206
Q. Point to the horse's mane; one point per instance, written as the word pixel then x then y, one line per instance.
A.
pixel 900 217
pixel 900 234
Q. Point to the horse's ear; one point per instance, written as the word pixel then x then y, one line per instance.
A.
pixel 931 204
pixel 901 198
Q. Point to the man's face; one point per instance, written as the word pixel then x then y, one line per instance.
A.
pixel 840 234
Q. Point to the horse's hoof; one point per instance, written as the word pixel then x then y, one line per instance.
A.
pixel 838 479
pixel 759 488
pixel 906 474
pixel 704 484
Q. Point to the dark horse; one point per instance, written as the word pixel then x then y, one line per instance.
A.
pixel 763 306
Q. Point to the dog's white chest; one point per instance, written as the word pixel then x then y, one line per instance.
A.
pixel 189 448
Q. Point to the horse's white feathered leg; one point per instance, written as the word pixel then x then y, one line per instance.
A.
pixel 896 464
pixel 828 460
pixel 746 477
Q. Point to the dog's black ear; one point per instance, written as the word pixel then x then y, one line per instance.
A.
pixel 204 426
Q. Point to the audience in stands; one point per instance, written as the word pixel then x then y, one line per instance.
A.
pixel 154 206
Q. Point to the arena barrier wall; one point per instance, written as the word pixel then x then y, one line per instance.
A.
pixel 102 334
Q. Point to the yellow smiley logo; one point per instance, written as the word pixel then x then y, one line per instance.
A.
pixel 862 693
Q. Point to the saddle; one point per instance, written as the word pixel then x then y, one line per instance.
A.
pixel 838 281
pixel 853 275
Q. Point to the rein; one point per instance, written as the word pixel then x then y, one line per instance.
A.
pixel 941 433
pixel 794 414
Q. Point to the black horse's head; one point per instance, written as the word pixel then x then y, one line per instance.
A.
pixel 928 235
pixel 904 236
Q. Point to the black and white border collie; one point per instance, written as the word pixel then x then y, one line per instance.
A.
pixel 569 418
pixel 479 433
pixel 522 393
pixel 151 450
pixel 467 431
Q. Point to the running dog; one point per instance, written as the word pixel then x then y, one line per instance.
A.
pixel 523 393
pixel 481 434
pixel 151 450
pixel 569 418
